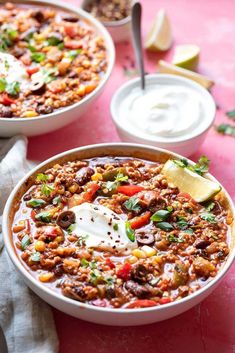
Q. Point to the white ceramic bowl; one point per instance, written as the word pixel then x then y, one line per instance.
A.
pixel 108 316
pixel 61 117
pixel 119 30
pixel 182 145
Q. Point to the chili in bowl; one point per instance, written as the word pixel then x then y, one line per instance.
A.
pixel 54 60
pixel 103 228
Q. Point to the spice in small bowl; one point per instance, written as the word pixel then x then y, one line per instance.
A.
pixel 108 11
pixel 114 14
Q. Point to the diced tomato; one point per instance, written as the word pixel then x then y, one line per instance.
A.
pixel 185 195
pixel 6 100
pixel 33 214
pixel 129 190
pixel 27 225
pixel 140 221
pixel 124 271
pixel 109 263
pixel 73 44
pixel 51 231
pixel 141 303
pixel 165 300
pixel 26 60
pixel 32 70
pixel 71 30
pixel 90 193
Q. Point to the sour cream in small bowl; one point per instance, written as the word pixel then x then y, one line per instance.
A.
pixel 172 112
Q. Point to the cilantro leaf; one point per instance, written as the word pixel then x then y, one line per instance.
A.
pixel 42 177
pixel 46 189
pixel 84 262
pixel 226 129
pixel 160 215
pixel 38 57
pixel 172 239
pixel 182 223
pixel 132 204
pixel 3 84
pixel 72 54
pixel 164 226
pixel 209 217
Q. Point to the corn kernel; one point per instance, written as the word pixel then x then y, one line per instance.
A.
pixel 140 254
pixel 46 277
pixel 40 246
pixel 59 239
pixel 48 65
pixel 148 250
pixel 81 90
pixel 30 114
pixel 133 259
pixel 73 188
pixel 156 260
pixel 96 177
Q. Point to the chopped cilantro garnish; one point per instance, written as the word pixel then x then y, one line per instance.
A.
pixel 160 215
pixel 36 203
pixel 46 189
pixel 209 217
pixel 200 167
pixel 35 257
pixel 42 177
pixel 171 238
pixel 210 206
pixel 25 242
pixel 164 226
pixel 82 240
pixel 54 40
pixel 44 217
pixel 130 232
pixel 84 262
pixel 182 222
pixel 13 88
pixel 3 84
pixel 38 57
pixel 121 177
pixel 72 54
pixel 132 204
pixel 56 200
pixel 71 228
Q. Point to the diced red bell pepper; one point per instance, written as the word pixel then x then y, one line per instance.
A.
pixel 32 70
pixel 109 263
pixel 71 30
pixel 129 190
pixel 6 100
pixel 140 221
pixel 90 193
pixel 73 44
pixel 185 195
pixel 51 231
pixel 33 214
pixel 165 300
pixel 124 271
pixel 141 303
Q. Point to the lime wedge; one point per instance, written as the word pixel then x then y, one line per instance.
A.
pixel 167 68
pixel 186 56
pixel 200 188
pixel 159 37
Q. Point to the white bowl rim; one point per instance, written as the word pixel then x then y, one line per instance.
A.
pixel 118 311
pixel 109 46
pixel 116 98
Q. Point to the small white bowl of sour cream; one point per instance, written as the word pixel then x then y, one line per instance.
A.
pixel 172 112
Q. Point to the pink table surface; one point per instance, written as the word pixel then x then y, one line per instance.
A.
pixel 208 327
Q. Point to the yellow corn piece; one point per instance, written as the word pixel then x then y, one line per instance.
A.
pixel 132 259
pixel 40 246
pixel 156 260
pixel 140 254
pixel 148 250
pixel 96 177
pixel 30 114
pixel 46 277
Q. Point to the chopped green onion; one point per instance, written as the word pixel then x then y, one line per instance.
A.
pixel 44 217
pixel 25 242
pixel 36 203
pixel 35 257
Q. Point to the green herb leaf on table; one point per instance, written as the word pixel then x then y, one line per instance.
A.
pixel 164 226
pixel 44 217
pixel 231 114
pixel 226 129
pixel 35 257
pixel 160 215
pixel 36 203
pixel 130 232
pixel 132 204
pixel 25 242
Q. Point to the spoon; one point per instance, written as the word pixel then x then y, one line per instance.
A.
pixel 136 32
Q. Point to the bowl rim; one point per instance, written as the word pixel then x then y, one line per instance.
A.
pixel 119 311
pixel 115 101
pixel 97 25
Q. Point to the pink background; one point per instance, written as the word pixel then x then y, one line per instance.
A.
pixel 209 327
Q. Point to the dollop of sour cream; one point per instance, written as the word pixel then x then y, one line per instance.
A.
pixel 13 70
pixel 101 228
pixel 165 111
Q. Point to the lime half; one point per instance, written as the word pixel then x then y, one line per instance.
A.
pixel 186 56
pixel 159 37
pixel 198 187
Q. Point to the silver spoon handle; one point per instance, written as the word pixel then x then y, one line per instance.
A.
pixel 136 32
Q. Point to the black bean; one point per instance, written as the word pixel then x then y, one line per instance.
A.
pixel 201 243
pixel 65 219
pixel 138 290
pixel 84 175
pixel 39 16
pixel 73 19
pixel 6 112
pixel 27 197
pixel 44 109
pixel 139 274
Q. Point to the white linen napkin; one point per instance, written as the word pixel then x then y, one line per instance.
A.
pixel 26 320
